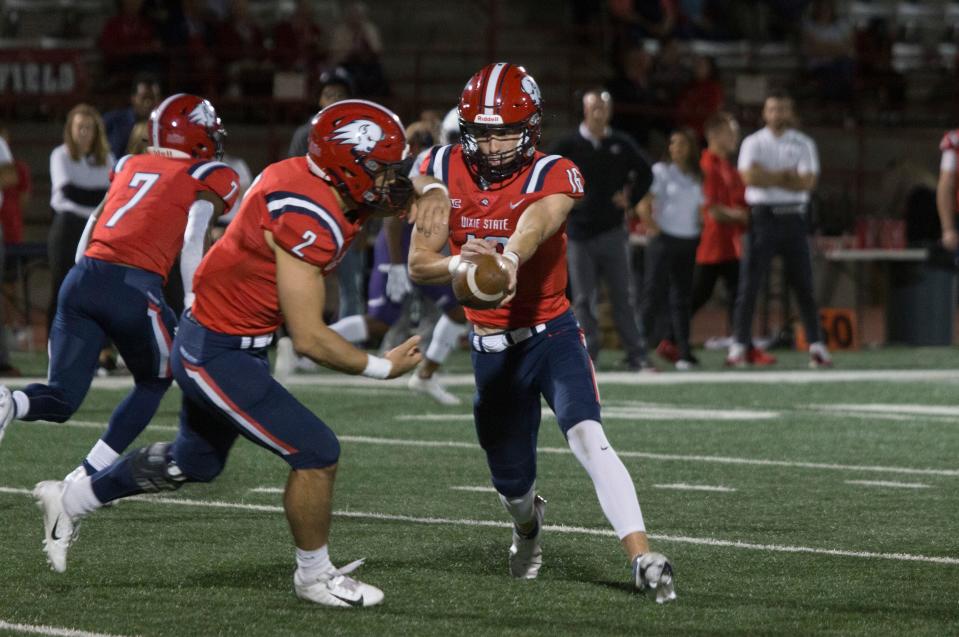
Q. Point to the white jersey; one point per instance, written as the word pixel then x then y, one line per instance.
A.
pixel 790 151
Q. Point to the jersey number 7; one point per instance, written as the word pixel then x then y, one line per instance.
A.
pixel 142 182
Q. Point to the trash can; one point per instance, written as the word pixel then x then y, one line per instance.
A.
pixel 921 309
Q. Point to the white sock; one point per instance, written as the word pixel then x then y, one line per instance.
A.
pixel 352 328
pixel 101 456
pixel 314 563
pixel 445 336
pixel 614 487
pixel 521 508
pixel 21 403
pixel 78 498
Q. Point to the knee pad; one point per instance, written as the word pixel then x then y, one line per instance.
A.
pixel 154 469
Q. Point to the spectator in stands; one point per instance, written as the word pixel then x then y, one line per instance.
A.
pixel 139 138
pixel 144 96
pixel 240 48
pixel 298 43
pixel 828 47
pixel 188 36
pixel 671 211
pixel 334 85
pixel 702 98
pixel 618 176
pixel 947 194
pixel 9 180
pixel 780 167
pixel 128 42
pixel 357 46
pixel 670 75
pixel 725 214
pixel 638 112
pixel 635 20
pixel 16 193
pixel 703 19
pixel 79 179
pixel 881 84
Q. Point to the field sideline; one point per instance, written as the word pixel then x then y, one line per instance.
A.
pixel 790 501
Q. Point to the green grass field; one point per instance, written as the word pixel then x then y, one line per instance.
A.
pixel 832 508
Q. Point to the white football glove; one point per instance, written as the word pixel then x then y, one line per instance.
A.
pixel 653 571
pixel 397 281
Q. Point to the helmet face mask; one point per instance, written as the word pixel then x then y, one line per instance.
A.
pixel 392 189
pixel 496 168
pixel 500 101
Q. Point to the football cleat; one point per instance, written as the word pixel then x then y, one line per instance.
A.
pixel 668 351
pixel 819 356
pixel 654 572
pixel 334 588
pixel 7 409
pixel 432 388
pixel 760 357
pixel 59 530
pixel 526 553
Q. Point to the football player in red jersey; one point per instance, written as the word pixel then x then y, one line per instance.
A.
pixel 159 204
pixel 294 224
pixel 511 200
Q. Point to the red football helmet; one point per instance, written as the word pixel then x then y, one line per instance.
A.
pixel 500 99
pixel 361 149
pixel 189 124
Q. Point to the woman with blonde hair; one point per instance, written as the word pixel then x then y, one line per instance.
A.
pixel 79 178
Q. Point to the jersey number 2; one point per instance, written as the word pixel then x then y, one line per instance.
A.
pixel 142 182
pixel 309 238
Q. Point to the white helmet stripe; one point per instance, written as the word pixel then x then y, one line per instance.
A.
pixel 489 98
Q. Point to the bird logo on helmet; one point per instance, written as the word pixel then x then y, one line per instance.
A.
pixel 504 100
pixel 362 134
pixel 360 148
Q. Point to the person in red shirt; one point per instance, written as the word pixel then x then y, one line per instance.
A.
pixel 702 98
pixel 14 198
pixel 725 214
pixel 294 224
pixel 512 201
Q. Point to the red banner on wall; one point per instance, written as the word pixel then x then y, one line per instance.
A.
pixel 37 74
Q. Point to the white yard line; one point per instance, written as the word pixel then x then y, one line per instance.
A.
pixel 911 410
pixel 883 483
pixel 40 629
pixel 552 528
pixel 682 486
pixel 267 490
pixel 475 489
pixel 450 444
pixel 773 377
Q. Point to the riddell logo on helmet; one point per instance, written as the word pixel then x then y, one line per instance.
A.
pixel 487 119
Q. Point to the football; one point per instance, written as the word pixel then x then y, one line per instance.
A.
pixel 480 282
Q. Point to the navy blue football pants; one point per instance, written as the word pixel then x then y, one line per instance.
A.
pixel 100 301
pixel 553 364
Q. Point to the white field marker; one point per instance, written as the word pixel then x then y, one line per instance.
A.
pixel 894 485
pixel 552 528
pixel 682 486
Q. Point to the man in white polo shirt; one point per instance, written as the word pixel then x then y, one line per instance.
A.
pixel 780 167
